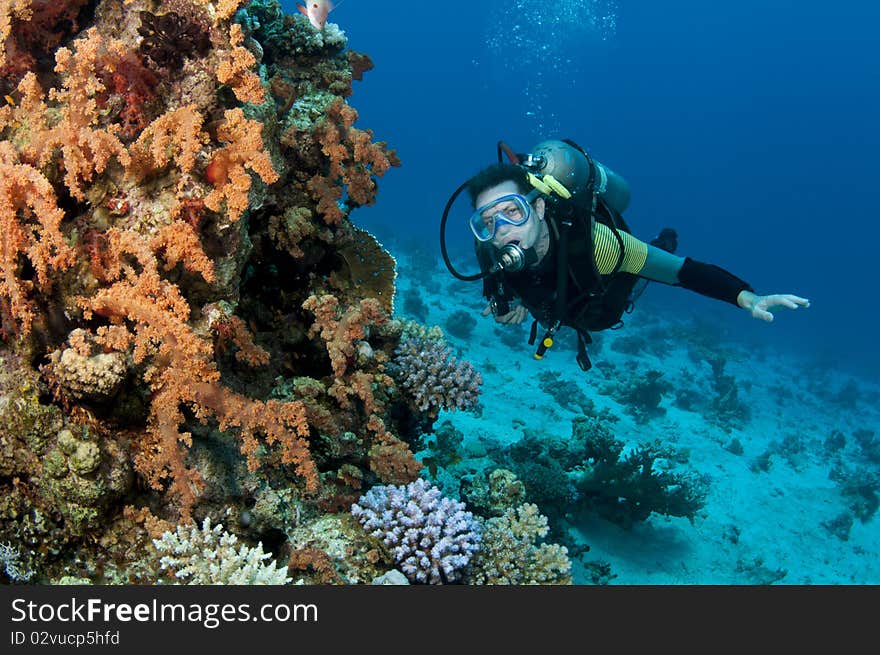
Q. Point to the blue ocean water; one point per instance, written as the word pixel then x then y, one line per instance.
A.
pixel 750 127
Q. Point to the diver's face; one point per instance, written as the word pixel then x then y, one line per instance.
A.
pixel 526 235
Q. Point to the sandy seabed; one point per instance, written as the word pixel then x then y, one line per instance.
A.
pixel 773 509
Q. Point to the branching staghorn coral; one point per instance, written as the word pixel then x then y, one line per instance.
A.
pixel 212 556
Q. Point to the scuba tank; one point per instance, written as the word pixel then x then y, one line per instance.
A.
pixel 570 165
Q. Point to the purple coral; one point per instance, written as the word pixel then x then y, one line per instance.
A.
pixel 431 537
pixel 423 368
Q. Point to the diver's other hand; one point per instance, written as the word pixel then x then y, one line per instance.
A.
pixel 760 306
pixel 516 315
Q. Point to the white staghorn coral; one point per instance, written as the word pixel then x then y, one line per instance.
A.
pixel 209 555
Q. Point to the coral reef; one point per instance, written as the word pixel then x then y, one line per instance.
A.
pixel 414 305
pixel 860 489
pixel 12 567
pixel 566 393
pixel 493 493
pixel 512 336
pixel 191 327
pixel 596 472
pixel 444 447
pixel 628 488
pixel 641 394
pixel 461 324
pixel 542 462
pixel 726 409
pixel 83 372
pixel 869 445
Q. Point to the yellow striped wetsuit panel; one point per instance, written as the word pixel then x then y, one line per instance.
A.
pixel 607 249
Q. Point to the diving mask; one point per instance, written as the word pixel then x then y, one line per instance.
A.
pixel 513 209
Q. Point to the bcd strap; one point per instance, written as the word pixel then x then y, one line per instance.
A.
pixel 533 334
pixel 583 357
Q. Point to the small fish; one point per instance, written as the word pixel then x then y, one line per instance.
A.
pixel 316 11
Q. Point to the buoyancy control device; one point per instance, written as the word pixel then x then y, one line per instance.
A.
pixel 577 188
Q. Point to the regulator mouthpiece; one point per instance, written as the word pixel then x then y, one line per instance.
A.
pixel 512 258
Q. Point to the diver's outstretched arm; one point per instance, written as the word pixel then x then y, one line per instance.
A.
pixel 715 282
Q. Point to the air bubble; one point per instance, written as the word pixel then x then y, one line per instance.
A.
pixel 539 50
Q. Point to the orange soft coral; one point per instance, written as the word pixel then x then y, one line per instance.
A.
pixel 341 330
pixel 390 458
pixel 29 225
pixel 30 29
pixel 236 71
pixel 85 148
pixel 174 136
pixel 149 316
pixel 227 172
pixel 352 162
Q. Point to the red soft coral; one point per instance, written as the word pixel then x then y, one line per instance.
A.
pixel 130 89
pixel 30 30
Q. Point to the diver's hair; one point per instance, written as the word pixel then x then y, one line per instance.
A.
pixel 497 174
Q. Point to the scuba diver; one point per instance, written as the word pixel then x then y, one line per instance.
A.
pixel 551 241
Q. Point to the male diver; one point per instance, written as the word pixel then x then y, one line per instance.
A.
pixel 551 242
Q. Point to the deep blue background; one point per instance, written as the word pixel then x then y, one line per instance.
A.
pixel 750 126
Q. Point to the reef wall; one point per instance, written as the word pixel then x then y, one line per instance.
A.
pixel 201 373
pixel 191 325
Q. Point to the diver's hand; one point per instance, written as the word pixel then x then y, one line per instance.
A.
pixel 759 306
pixel 514 316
